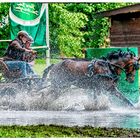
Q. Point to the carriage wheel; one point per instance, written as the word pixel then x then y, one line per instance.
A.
pixel 6 75
pixel 4 71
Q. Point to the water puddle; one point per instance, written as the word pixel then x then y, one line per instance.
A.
pixel 74 107
pixel 130 119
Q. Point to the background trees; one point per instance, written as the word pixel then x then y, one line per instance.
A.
pixel 4 26
pixel 73 26
pixel 65 29
pixel 96 28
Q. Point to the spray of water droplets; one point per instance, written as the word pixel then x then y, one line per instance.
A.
pixel 70 99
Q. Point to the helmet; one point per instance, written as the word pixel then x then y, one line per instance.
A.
pixel 24 33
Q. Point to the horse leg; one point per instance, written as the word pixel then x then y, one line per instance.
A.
pixel 118 94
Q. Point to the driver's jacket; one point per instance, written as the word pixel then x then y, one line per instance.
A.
pixel 15 50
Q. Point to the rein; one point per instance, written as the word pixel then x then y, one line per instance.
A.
pixel 113 76
pixel 117 66
pixel 90 70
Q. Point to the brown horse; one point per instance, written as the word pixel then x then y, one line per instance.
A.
pixel 99 74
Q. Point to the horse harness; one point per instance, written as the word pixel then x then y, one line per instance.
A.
pixel 91 70
pixel 113 75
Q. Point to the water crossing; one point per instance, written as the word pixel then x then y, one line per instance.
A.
pixel 73 99
pixel 72 107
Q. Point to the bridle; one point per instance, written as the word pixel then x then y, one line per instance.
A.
pixel 135 66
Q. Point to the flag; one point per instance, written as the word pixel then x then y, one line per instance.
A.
pixel 30 17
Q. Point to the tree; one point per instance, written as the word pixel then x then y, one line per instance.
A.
pixel 65 29
pixel 97 29
pixel 4 25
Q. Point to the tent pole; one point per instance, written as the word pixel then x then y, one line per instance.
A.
pixel 47 37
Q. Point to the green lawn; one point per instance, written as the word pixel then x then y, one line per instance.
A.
pixel 44 131
pixel 40 65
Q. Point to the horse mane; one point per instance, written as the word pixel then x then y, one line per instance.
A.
pixel 115 55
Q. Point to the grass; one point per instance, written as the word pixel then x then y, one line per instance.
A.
pixel 44 131
pixel 40 65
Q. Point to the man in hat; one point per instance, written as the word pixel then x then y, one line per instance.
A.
pixel 15 56
pixel 19 46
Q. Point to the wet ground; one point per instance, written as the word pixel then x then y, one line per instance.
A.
pixel 75 107
pixel 111 119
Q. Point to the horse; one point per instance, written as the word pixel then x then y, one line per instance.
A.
pixel 98 74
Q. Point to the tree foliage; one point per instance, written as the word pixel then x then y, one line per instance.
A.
pixel 4 25
pixel 65 29
pixel 97 28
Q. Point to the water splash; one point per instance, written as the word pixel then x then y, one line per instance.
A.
pixel 137 105
pixel 69 100
pixel 79 99
pixel 72 99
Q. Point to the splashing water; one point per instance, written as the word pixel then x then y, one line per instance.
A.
pixel 79 99
pixel 69 100
pixel 74 106
pixel 72 99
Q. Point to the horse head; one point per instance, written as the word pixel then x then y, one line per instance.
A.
pixel 124 61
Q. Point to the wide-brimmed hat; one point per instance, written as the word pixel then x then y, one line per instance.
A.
pixel 24 33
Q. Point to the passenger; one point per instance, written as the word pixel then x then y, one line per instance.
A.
pixel 19 53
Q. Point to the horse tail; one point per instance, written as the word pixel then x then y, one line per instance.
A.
pixel 46 71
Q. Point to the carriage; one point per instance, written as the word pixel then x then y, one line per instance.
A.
pixel 11 81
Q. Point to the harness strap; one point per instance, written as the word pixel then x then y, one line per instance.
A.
pixel 90 69
pixel 113 76
pixel 117 66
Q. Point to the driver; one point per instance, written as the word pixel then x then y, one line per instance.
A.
pixel 19 46
pixel 15 54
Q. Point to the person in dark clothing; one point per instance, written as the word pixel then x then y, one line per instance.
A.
pixel 17 52
pixel 18 46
